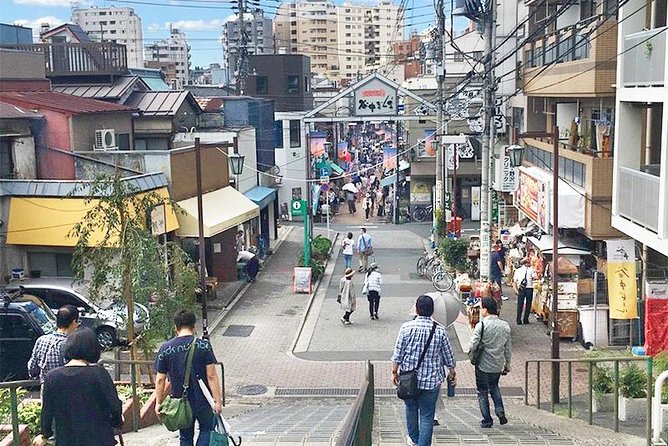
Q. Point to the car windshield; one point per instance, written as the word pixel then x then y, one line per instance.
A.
pixel 45 319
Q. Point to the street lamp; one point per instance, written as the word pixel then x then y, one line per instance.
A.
pixel 516 154
pixel 236 165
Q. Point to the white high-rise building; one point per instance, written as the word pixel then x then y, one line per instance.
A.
pixel 175 51
pixel 259 39
pixel 119 25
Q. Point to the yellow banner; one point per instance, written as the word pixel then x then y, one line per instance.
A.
pixel 622 282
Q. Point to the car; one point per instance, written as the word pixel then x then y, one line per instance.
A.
pixel 106 319
pixel 23 319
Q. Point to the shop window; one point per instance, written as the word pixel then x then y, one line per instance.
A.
pixel 6 161
pixel 293 84
pixel 278 134
pixel 295 133
pixel 262 85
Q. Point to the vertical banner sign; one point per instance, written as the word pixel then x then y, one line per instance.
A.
pixel 622 285
pixel 656 317
pixel 428 150
pixel 389 157
pixel 317 142
pixel 453 157
pixel 532 197
pixel 475 203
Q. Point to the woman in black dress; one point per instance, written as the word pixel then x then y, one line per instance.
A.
pixel 80 397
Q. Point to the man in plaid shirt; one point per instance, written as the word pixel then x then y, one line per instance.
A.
pixel 411 340
pixel 46 354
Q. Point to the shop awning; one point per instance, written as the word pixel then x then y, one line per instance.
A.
pixel 47 221
pixel 388 181
pixel 222 209
pixel 262 196
pixel 336 168
pixel 544 245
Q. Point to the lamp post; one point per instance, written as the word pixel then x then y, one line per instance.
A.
pixel 516 154
pixel 236 165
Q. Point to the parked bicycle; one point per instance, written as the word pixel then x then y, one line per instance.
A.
pixel 425 261
pixel 420 213
pixel 442 280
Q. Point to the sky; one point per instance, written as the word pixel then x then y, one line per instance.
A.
pixel 201 20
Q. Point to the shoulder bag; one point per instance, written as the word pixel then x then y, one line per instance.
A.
pixel 176 413
pixel 523 284
pixel 408 382
pixel 368 250
pixel 476 353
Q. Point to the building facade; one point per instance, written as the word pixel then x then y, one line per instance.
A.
pixel 284 78
pixel 174 49
pixel 259 39
pixel 118 25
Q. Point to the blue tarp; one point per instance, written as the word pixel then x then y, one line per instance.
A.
pixel 261 195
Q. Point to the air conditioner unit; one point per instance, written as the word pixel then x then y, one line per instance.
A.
pixel 105 139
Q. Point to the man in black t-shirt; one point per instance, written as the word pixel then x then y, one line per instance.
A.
pixel 171 361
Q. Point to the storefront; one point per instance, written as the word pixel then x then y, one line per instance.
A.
pixel 267 200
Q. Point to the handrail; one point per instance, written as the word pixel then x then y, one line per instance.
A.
pixel 358 426
pixel 590 365
pixel 657 420
pixel 14 404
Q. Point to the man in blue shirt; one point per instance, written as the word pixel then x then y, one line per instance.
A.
pixel 411 341
pixel 496 263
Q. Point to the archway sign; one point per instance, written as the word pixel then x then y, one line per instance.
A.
pixel 374 98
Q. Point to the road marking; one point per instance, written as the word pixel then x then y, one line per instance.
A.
pixel 362 226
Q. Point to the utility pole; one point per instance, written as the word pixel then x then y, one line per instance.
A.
pixel 554 326
pixel 200 239
pixel 487 140
pixel 242 53
pixel 441 167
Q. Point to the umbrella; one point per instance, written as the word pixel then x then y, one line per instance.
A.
pixel 447 307
pixel 350 187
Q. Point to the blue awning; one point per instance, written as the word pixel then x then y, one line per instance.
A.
pixel 388 181
pixel 261 195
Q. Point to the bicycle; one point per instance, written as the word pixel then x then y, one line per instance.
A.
pixel 425 261
pixel 442 280
pixel 420 213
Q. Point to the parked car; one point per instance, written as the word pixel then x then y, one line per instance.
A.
pixel 108 321
pixel 23 319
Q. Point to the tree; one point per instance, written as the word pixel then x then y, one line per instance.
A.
pixel 125 262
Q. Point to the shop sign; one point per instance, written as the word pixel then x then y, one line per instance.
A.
pixel 475 203
pixel 504 174
pixel 621 274
pixel 420 191
pixel 302 280
pixel 532 198
pixel 158 219
pixel 375 98
pixel 316 144
pixel 298 208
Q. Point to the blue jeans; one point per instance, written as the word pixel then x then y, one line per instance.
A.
pixel 348 260
pixel 204 416
pixel 420 416
pixel 488 384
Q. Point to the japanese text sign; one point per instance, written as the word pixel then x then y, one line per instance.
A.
pixel 622 284
pixel 375 98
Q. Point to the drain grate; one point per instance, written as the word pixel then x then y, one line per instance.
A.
pixel 239 331
pixel 255 389
pixel 462 391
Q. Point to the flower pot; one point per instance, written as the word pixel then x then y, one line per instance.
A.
pixel 603 402
pixel 632 409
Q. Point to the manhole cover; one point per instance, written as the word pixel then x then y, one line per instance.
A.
pixel 253 390
pixel 240 331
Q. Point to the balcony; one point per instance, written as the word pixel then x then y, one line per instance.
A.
pixel 581 60
pixel 79 59
pixel 644 58
pixel 638 192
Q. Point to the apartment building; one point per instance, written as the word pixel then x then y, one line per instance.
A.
pixel 640 171
pixel 174 49
pixel 118 25
pixel 407 55
pixel 259 39
pixel 344 42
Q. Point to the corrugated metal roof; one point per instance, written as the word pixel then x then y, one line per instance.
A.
pixel 66 103
pixel 76 30
pixel 121 86
pixel 56 188
pixel 10 111
pixel 159 103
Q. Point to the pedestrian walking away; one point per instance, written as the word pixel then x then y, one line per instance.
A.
pixel 171 362
pixel 412 343
pixel 367 205
pixel 373 281
pixel 496 261
pixel 364 249
pixel 348 249
pixel 350 199
pixel 47 353
pixel 523 284
pixel 494 335
pixel 346 296
pixel 80 397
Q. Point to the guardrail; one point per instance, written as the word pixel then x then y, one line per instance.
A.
pixel 657 420
pixel 590 395
pixel 358 427
pixel 13 386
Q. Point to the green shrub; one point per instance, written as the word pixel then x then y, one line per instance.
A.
pixel 633 382
pixel 602 379
pixel 317 267
pixel 441 224
pixel 320 248
pixel 30 413
pixel 454 252
pixel 660 365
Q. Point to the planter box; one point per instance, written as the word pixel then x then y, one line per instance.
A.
pixel 147 416
pixel 632 409
pixel 24 434
pixel 604 402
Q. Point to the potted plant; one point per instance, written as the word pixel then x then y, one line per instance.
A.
pixel 454 253
pixel 603 399
pixel 632 393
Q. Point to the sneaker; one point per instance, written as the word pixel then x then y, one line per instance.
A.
pixel 504 297
pixel 436 422
pixel 486 425
pixel 376 316
pixel 503 420
pixel 410 442
pixel 347 323
pixel 343 321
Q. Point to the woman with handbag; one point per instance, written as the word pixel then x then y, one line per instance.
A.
pixel 373 282
pixel 346 296
pixel 80 397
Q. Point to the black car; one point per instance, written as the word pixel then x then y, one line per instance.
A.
pixel 23 319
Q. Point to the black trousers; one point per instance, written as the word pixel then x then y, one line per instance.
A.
pixel 374 302
pixel 524 299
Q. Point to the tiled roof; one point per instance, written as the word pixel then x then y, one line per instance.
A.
pixel 159 103
pixel 66 103
pixel 59 188
pixel 9 111
pixel 121 86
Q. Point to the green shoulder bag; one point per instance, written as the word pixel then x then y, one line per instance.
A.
pixel 176 413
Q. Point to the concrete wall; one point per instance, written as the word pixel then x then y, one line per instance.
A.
pixel 85 125
pixel 277 68
pixel 23 154
pixel 21 65
pixel 184 178
pixel 52 165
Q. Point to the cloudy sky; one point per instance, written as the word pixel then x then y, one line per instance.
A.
pixel 200 19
